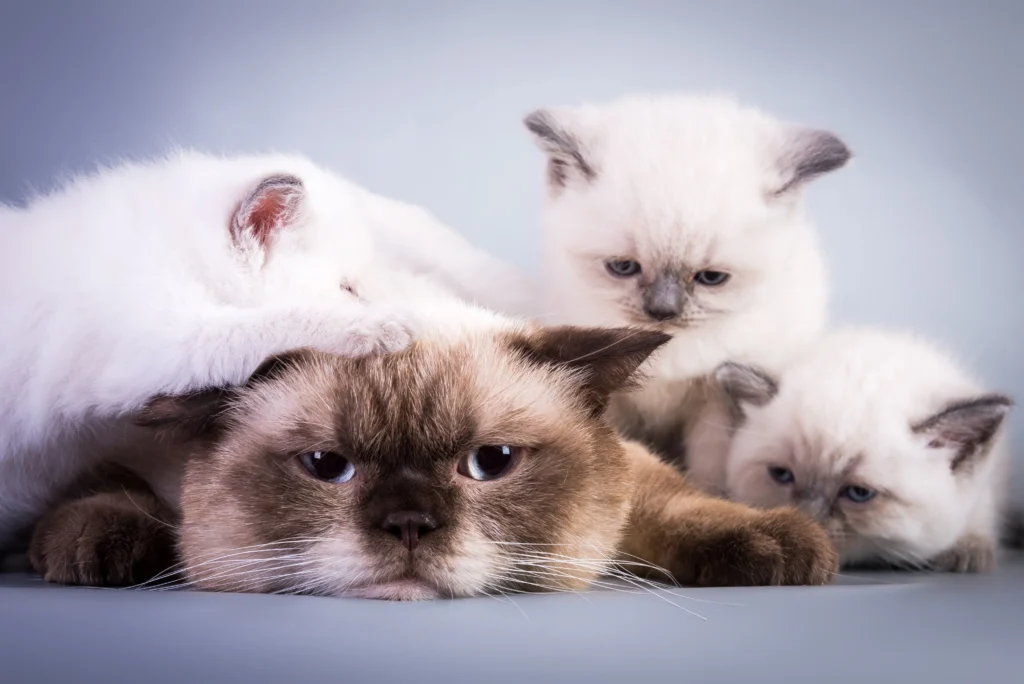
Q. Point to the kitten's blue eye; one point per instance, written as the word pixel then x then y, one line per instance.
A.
pixel 328 466
pixel 711 278
pixel 623 268
pixel 857 494
pixel 783 476
pixel 489 462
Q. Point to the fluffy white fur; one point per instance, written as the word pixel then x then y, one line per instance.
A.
pixel 168 276
pixel 411 239
pixel 681 184
pixel 860 409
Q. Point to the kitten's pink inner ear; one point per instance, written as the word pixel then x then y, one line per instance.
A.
pixel 272 205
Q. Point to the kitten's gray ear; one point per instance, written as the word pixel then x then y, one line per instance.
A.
pixel 807 154
pixel 201 415
pixel 604 359
pixel 745 386
pixel 553 132
pixel 275 202
pixel 968 427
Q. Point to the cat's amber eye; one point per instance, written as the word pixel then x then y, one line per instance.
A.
pixel 622 268
pixel 489 462
pixel 711 278
pixel 328 466
pixel 783 476
pixel 857 494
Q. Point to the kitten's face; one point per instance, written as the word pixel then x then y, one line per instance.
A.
pixel 443 470
pixel 674 213
pixel 891 497
pixel 866 440
pixel 622 272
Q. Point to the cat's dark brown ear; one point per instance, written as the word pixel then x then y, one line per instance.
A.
pixel 276 202
pixel 604 359
pixel 745 386
pixel 553 133
pixel 201 415
pixel 807 154
pixel 186 417
pixel 965 427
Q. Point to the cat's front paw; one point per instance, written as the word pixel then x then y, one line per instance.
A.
pixel 780 546
pixel 374 332
pixel 972 553
pixel 101 540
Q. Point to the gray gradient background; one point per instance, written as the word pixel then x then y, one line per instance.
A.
pixel 423 101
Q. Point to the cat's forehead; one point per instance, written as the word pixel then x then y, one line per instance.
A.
pixel 667 221
pixel 430 399
pixel 865 389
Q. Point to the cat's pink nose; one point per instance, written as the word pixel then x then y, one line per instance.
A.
pixel 409 526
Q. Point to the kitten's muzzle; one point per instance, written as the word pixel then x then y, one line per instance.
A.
pixel 664 299
pixel 409 526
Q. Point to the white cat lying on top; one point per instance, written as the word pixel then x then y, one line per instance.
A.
pixel 882 438
pixel 184 273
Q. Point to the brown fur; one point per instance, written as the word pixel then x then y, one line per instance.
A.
pixel 405 421
pixel 707 541
pixel 111 531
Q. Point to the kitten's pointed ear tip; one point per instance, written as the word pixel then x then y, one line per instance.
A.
pixel 540 122
pixel 832 148
pixel 746 384
pixel 1002 403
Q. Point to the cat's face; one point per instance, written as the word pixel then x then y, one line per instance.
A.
pixel 448 469
pixel 887 482
pixel 675 212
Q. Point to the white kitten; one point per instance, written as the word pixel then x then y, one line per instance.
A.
pixel 684 214
pixel 163 278
pixel 883 438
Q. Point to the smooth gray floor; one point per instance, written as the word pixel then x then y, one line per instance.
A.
pixel 871 627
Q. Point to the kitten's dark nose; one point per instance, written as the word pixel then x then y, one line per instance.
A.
pixel 661 313
pixel 663 298
pixel 409 526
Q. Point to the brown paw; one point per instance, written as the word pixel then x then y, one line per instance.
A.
pixel 103 540
pixel 779 546
pixel 971 554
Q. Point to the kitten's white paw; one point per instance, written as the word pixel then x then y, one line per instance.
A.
pixel 375 332
pixel 972 553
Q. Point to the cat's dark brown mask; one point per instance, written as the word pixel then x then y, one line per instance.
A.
pixel 451 468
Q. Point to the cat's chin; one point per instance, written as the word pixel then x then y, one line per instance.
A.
pixel 399 590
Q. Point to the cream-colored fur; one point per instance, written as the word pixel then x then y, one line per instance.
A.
pixel 681 185
pixel 889 413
